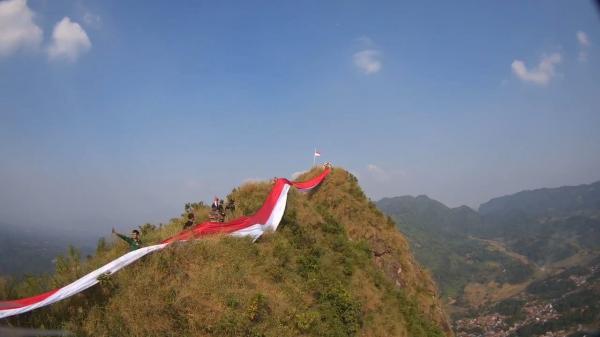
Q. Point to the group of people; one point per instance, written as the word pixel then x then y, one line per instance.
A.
pixel 218 211
pixel 217 214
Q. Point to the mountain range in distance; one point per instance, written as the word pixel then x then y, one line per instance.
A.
pixel 515 256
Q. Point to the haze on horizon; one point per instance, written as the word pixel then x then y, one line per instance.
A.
pixel 118 113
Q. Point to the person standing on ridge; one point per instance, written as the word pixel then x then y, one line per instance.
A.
pixel 134 241
pixel 190 221
pixel 214 210
pixel 221 211
pixel 215 204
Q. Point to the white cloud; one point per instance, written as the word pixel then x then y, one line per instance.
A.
pixel 368 61
pixel 583 39
pixel 381 175
pixel 584 43
pixel 92 20
pixel 377 172
pixel 69 41
pixel 541 74
pixel 374 168
pixel 17 29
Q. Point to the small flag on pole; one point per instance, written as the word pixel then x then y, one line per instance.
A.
pixel 315 155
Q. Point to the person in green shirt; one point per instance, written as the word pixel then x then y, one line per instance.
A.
pixel 190 222
pixel 134 241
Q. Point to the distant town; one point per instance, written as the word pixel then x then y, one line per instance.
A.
pixel 537 317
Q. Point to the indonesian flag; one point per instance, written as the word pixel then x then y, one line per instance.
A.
pixel 317 153
pixel 267 218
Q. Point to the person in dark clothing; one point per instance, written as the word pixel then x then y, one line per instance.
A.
pixel 190 221
pixel 221 211
pixel 134 241
pixel 214 215
pixel 215 204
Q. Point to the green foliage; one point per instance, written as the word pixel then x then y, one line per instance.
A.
pixel 305 321
pixel 258 308
pixel 340 309
pixel 68 267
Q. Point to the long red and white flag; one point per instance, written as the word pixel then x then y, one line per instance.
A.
pixel 267 218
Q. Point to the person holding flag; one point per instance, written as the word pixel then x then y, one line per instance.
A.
pixel 134 241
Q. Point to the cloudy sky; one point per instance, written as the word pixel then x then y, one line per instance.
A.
pixel 119 112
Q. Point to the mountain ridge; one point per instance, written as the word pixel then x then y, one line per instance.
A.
pixel 523 255
pixel 335 267
pixel 564 199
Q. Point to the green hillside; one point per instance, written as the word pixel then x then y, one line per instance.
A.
pixel 524 265
pixel 546 225
pixel 560 201
pixel 335 267
pixel 440 240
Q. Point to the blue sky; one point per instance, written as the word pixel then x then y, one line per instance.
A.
pixel 119 112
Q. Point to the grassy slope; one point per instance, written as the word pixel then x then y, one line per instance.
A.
pixel 336 267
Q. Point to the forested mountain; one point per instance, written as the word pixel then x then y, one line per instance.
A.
pixel 440 238
pixel 545 202
pixel 430 214
pixel 546 225
pixel 518 255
